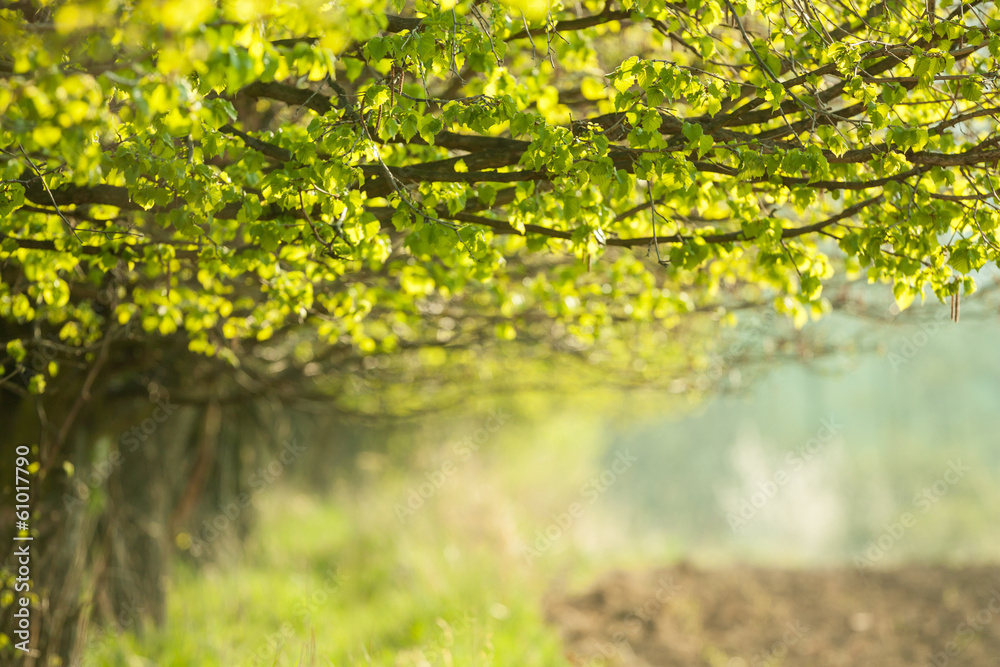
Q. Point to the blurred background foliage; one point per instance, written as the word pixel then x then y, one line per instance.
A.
pixel 330 572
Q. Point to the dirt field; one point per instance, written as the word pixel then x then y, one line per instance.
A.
pixel 750 617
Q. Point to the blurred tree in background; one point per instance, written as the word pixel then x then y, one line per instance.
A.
pixel 210 212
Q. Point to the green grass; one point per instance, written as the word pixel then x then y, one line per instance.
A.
pixel 340 580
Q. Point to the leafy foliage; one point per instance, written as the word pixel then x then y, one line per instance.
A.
pixel 445 173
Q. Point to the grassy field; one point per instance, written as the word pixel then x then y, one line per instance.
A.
pixel 344 584
pixel 352 579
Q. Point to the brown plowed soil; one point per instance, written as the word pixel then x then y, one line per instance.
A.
pixel 751 617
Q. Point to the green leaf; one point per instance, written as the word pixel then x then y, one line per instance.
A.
pixel 16 351
pixel 705 144
pixel 376 96
pixel 904 294
pixel 430 126
pixel 692 131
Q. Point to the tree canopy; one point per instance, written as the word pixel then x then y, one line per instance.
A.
pixel 274 198
pixel 353 178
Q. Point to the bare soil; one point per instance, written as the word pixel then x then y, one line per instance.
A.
pixel 750 617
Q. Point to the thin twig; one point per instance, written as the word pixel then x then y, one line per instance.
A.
pixel 51 196
pixel 652 210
